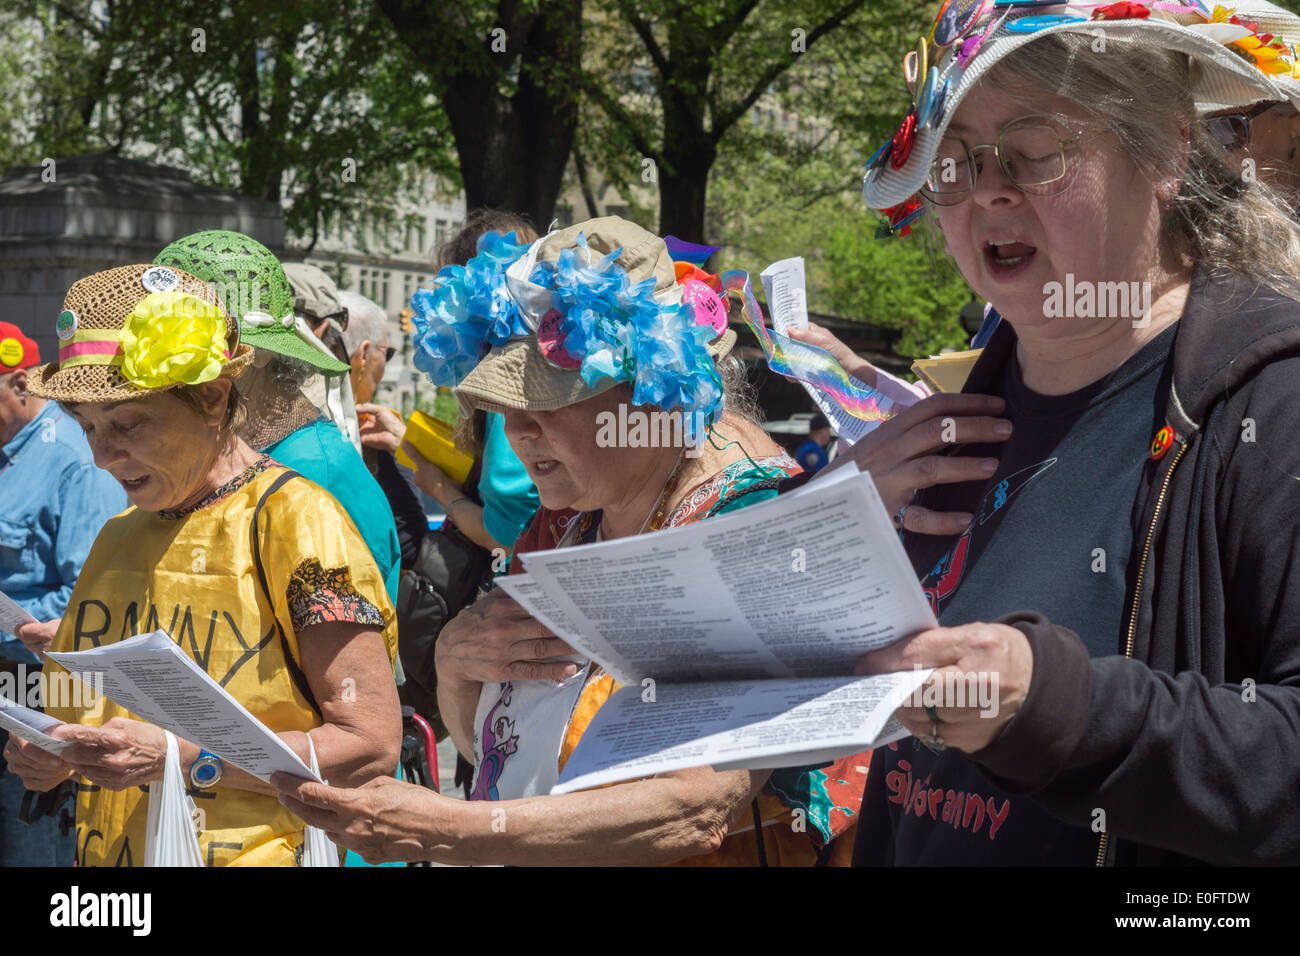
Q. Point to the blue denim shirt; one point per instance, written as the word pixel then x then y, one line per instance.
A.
pixel 53 501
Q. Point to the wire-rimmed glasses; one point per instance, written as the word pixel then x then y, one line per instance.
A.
pixel 1038 154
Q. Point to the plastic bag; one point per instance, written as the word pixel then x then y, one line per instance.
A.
pixel 172 827
pixel 317 850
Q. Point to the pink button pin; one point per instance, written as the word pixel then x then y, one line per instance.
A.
pixel 709 309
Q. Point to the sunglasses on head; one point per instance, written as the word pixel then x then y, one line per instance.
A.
pixel 1232 130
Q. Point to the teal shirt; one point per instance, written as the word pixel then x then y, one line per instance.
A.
pixel 319 452
pixel 509 496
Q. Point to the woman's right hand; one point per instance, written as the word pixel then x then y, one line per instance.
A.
pixel 38 770
pixel 900 454
pixel 494 639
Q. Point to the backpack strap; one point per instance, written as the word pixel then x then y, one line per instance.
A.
pixel 295 671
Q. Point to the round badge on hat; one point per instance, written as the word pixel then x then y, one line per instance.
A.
pixel 11 352
pixel 66 324
pixel 551 341
pixel 160 279
pixel 958 19
pixel 709 309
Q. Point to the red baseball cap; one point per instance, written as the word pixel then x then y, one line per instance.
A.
pixel 16 350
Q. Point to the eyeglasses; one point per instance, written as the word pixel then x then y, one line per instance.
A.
pixel 1232 130
pixel 389 353
pixel 1037 154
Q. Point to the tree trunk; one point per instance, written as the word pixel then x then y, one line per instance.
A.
pixel 683 181
pixel 689 147
pixel 512 149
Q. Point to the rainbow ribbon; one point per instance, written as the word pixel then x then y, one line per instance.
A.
pixel 804 362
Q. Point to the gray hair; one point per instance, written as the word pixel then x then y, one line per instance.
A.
pixel 1221 219
pixel 366 321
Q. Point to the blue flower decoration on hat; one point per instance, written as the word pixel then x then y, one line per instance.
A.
pixel 468 311
pixel 610 327
pixel 622 332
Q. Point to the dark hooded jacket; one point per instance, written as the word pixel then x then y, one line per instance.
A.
pixel 1189 736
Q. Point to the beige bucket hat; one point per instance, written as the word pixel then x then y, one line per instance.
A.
pixel 517 375
pixel 135 330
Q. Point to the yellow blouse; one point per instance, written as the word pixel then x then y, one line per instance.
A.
pixel 193 575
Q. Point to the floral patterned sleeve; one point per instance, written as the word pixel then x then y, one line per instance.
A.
pixel 318 595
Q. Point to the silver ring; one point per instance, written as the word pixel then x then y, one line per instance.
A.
pixel 899 515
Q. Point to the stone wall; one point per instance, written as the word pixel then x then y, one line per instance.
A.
pixel 83 214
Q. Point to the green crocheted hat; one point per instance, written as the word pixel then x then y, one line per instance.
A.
pixel 254 288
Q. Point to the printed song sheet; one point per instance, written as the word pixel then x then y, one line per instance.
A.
pixel 153 678
pixel 12 616
pixel 737 725
pixel 800 586
pixel 785 289
pixel 736 638
pixel 31 725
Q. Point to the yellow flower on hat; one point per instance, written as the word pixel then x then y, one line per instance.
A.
pixel 172 338
pixel 1270 57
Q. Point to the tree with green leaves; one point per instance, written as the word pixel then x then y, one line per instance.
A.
pixel 312 104
pixel 776 193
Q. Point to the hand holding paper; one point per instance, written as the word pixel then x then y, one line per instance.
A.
pixel 735 638
pixel 31 725
pixel 12 616
pixel 153 678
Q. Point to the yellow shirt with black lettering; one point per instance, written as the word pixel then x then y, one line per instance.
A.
pixel 193 575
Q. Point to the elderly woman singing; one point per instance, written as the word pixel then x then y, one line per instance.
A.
pixel 595 334
pixel 257 574
pixel 1131 581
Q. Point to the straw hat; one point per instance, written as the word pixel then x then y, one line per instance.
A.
pixel 971 36
pixel 132 331
pixel 1283 24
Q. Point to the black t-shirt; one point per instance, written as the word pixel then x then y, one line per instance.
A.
pixel 1052 533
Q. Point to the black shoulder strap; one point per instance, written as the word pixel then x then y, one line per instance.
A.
pixel 763 484
pixel 299 678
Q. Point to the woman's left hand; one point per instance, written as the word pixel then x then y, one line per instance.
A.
pixel 122 753
pixel 997 656
pixel 384 820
